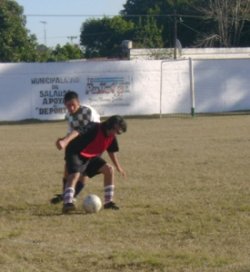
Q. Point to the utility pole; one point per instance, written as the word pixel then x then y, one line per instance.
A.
pixel 44 30
pixel 175 35
pixel 71 38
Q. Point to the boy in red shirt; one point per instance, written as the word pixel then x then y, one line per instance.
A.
pixel 83 158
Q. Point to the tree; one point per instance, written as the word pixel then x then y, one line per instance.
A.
pixel 103 37
pixel 16 44
pixel 66 52
pixel 199 22
pixel 228 19
pixel 148 34
pixel 163 12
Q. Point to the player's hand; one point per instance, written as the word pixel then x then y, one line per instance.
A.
pixel 60 144
pixel 122 172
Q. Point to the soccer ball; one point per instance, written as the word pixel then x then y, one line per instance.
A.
pixel 92 204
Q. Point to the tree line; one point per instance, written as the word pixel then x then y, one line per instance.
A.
pixel 149 24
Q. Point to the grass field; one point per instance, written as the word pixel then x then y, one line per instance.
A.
pixel 185 205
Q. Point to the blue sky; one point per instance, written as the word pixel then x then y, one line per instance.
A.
pixel 59 29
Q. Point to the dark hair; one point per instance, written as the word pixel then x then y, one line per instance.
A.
pixel 69 96
pixel 116 120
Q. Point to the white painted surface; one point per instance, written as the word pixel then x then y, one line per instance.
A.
pixel 36 90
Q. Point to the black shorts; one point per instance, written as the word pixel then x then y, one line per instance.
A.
pixel 94 166
pixel 87 167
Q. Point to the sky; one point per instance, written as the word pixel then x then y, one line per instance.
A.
pixel 53 30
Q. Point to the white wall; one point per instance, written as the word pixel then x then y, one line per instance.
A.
pixel 185 53
pixel 176 96
pixel 222 85
pixel 36 90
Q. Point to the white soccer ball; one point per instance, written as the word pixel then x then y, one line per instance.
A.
pixel 92 204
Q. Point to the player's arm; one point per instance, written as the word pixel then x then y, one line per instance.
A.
pixel 61 143
pixel 115 161
pixel 112 151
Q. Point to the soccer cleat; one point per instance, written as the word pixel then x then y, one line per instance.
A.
pixel 59 198
pixel 111 205
pixel 56 199
pixel 68 208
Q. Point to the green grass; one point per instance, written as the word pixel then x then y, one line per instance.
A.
pixel 185 205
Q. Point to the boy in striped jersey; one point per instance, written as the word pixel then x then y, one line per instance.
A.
pixel 79 119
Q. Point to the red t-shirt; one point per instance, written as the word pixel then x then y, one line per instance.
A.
pixel 93 143
pixel 98 145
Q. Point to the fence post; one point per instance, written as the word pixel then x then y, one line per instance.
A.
pixel 192 91
pixel 161 92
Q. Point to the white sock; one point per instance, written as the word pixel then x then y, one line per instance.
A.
pixel 68 195
pixel 108 193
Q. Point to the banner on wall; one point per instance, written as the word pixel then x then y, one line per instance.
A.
pixel 102 93
pixel 48 93
pixel 107 93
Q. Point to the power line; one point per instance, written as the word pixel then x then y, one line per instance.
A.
pixel 130 16
pixel 111 15
pixel 70 15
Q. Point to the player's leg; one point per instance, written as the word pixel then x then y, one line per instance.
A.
pixel 100 166
pixel 69 192
pixel 109 186
pixel 59 197
pixel 75 166
pixel 79 187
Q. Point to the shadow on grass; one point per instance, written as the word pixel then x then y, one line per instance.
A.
pixel 29 122
pixel 47 210
pixel 40 210
pixel 56 212
pixel 140 117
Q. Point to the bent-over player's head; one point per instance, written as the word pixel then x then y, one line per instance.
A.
pixel 115 125
pixel 71 101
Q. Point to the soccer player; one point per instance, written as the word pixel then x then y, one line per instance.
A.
pixel 79 118
pixel 83 158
